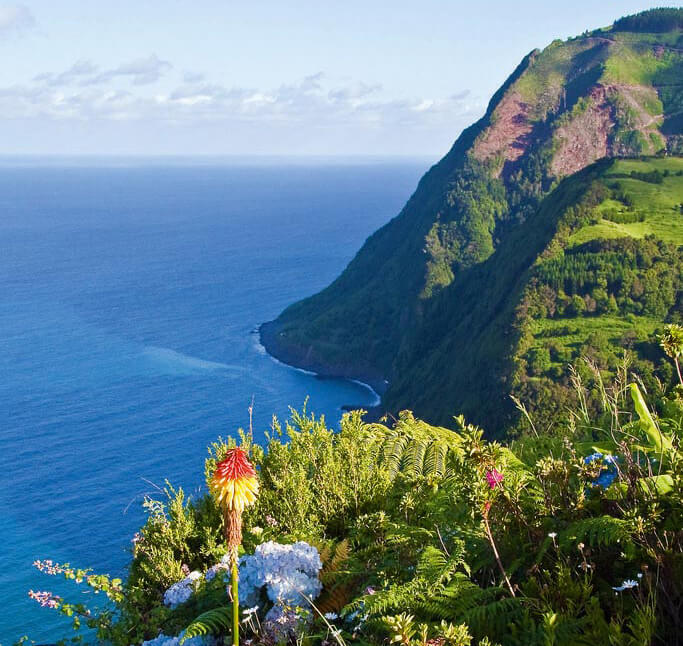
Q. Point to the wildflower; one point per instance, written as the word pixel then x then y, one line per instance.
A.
pixel 45 599
pixel 48 567
pixel 494 478
pixel 234 481
pixel 235 485
pixel 608 472
pixel 625 585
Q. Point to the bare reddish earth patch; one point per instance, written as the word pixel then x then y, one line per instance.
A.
pixel 509 135
pixel 586 138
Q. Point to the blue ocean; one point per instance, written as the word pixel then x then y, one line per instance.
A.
pixel 131 292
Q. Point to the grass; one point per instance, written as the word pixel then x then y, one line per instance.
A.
pixel 573 331
pixel 633 65
pixel 571 334
pixel 660 204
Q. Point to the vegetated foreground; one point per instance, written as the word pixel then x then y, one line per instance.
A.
pixel 424 535
pixel 526 250
pixel 467 295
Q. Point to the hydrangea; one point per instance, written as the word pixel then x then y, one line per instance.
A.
pixel 283 623
pixel 222 566
pixel 288 572
pixel 165 640
pixel 609 472
pixel 181 591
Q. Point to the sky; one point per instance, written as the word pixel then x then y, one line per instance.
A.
pixel 265 77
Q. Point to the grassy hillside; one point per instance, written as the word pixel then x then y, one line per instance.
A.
pixel 555 291
pixel 613 92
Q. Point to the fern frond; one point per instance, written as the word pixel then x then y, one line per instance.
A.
pixel 342 552
pixel 415 448
pixel 494 617
pixel 334 599
pixel 211 622
pixel 598 531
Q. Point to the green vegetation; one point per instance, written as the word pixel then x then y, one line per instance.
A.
pixel 656 20
pixel 533 284
pixel 566 536
pixel 436 301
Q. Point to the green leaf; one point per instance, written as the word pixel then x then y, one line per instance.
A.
pixel 661 484
pixel 659 441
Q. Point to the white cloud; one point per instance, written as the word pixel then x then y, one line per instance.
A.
pixel 142 71
pixel 319 108
pixel 193 77
pixel 15 19
pixel 77 72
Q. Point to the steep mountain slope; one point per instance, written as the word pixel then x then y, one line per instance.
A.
pixel 595 269
pixel 615 92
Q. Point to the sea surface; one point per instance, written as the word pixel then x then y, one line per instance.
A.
pixel 130 294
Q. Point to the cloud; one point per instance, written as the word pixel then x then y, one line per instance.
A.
pixel 193 77
pixel 15 19
pixel 85 92
pixel 78 71
pixel 142 71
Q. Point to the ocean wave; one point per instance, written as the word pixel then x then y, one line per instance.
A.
pixel 169 361
pixel 260 348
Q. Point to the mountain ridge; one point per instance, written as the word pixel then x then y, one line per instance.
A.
pixel 606 94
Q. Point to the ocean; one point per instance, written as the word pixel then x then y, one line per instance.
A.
pixel 131 292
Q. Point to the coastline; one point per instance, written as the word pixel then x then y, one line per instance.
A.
pixel 267 334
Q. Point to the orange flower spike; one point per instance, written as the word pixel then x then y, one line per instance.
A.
pixel 234 481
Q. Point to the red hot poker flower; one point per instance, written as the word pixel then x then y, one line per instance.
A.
pixel 234 481
pixel 494 478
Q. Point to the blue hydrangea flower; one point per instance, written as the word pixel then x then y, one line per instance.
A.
pixel 608 473
pixel 289 573
pixel 181 591
pixel 165 640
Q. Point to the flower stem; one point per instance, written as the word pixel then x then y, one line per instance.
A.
pixel 495 552
pixel 234 582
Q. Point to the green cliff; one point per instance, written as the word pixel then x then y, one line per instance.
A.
pixel 472 292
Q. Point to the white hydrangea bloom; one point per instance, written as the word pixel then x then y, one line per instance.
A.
pixel 288 572
pixel 181 591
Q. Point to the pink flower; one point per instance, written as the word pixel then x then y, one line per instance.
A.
pixel 494 478
pixel 45 599
pixel 48 567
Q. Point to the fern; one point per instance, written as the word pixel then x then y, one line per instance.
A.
pixel 337 591
pixel 416 449
pixel 211 622
pixel 601 530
